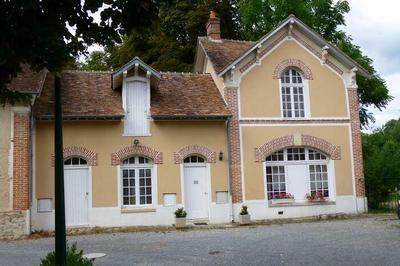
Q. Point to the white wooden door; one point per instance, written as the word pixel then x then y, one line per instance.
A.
pixel 195 191
pixel 136 108
pixel 76 181
pixel 297 181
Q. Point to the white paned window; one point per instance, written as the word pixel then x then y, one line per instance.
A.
pixel 298 171
pixel 75 161
pixel 293 96
pixel 319 179
pixel 137 181
pixel 136 107
pixel 194 159
pixel 276 180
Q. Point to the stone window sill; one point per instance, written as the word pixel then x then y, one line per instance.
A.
pixel 137 210
pixel 299 204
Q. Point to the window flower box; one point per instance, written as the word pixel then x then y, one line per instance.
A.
pixel 282 201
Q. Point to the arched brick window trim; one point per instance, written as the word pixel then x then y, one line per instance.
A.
pixel 296 63
pixel 129 151
pixel 76 151
pixel 268 148
pixel 180 155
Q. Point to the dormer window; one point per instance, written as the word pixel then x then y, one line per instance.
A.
pixel 137 106
pixel 136 78
pixel 293 91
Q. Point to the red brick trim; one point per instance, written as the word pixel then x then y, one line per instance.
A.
pixel 296 121
pixel 282 66
pixel 180 155
pixel 318 54
pixel 126 152
pixel 231 98
pixel 268 148
pixel 76 151
pixel 356 141
pixel 302 42
pixel 21 161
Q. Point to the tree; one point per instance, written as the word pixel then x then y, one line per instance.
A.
pixel 96 61
pixel 381 151
pixel 169 42
pixel 325 16
pixel 50 34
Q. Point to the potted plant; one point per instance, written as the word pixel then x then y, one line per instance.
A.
pixel 315 196
pixel 282 197
pixel 244 216
pixel 180 218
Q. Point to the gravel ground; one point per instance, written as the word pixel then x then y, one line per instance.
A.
pixel 368 241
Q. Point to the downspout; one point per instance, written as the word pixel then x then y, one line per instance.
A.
pixel 31 166
pixel 229 168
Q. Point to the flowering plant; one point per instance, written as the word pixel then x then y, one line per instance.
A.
pixel 315 196
pixel 282 195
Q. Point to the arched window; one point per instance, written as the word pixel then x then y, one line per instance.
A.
pixel 75 161
pixel 137 181
pixel 293 94
pixel 194 159
pixel 298 171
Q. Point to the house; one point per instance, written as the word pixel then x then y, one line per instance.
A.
pixel 15 155
pixel 253 122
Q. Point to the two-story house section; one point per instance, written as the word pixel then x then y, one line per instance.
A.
pixel 255 122
pixel 295 124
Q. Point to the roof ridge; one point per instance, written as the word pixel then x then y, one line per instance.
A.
pixel 184 73
pixel 86 71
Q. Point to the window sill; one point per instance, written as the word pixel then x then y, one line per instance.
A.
pixel 137 210
pixel 299 204
pixel 143 135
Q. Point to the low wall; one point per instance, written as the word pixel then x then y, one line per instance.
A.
pixel 13 224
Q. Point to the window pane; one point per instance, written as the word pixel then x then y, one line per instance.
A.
pixel 132 172
pixel 75 161
pixel 68 162
pixel 201 160
pixel 125 173
pixel 318 178
pixel 82 161
pixel 187 160
pixel 132 160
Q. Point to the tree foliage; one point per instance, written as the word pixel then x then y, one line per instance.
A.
pixel 381 151
pixel 325 16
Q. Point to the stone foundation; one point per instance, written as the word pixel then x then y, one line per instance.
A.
pixel 13 224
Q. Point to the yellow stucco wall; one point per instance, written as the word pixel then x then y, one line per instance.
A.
pixel 5 143
pixel 260 93
pixel 105 138
pixel 218 81
pixel 254 137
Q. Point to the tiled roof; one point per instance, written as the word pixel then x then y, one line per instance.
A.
pixel 223 52
pixel 187 95
pixel 84 95
pixel 28 80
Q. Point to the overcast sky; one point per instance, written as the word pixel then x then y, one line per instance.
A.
pixel 375 27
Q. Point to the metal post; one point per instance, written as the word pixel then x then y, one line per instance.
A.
pixel 60 238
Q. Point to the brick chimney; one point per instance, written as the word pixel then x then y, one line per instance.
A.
pixel 213 26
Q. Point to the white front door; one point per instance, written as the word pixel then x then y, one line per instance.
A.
pixel 76 181
pixel 196 191
pixel 297 180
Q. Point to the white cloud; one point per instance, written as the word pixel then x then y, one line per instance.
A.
pixel 375 27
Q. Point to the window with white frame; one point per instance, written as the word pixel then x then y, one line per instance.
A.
pixel 293 94
pixel 137 181
pixel 137 106
pixel 75 161
pixel 298 171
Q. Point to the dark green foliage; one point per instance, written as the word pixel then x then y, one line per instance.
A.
pixel 325 16
pixel 168 44
pixel 35 32
pixel 244 210
pixel 96 61
pixel 180 213
pixel 74 258
pixel 381 151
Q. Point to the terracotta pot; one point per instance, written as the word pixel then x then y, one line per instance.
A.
pixel 244 219
pixel 180 222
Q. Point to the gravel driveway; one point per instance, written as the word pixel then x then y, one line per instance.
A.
pixel 368 241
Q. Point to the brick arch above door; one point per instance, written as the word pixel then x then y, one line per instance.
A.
pixel 180 155
pixel 78 151
pixel 268 148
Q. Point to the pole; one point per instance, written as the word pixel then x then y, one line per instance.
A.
pixel 60 239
